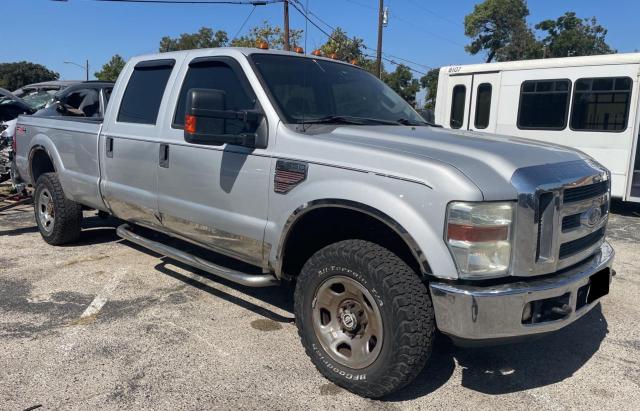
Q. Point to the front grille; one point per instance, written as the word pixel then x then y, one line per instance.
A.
pixel 573 221
pixel 571 195
pixel 554 220
pixel 572 247
pixel 570 222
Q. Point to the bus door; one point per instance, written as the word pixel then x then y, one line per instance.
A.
pixel 634 189
pixel 483 113
pixel 459 93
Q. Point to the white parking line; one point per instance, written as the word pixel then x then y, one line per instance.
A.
pixel 94 308
pixel 103 296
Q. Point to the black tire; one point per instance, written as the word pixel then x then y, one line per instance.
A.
pixel 404 305
pixel 65 225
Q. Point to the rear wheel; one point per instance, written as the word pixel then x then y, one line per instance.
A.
pixel 58 218
pixel 364 317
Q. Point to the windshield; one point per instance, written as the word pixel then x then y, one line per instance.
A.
pixel 39 99
pixel 309 90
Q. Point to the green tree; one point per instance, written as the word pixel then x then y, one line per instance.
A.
pixel 402 82
pixel 346 49
pixel 430 82
pixel 499 28
pixel 16 75
pixel 111 70
pixel 202 39
pixel 570 35
pixel 272 35
pixel 523 46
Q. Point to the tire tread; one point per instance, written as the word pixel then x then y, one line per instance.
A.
pixel 414 328
pixel 68 217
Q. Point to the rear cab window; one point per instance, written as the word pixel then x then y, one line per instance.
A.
pixel 142 98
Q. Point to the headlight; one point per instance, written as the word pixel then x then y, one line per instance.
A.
pixel 479 238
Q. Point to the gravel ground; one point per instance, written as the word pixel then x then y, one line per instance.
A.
pixel 104 324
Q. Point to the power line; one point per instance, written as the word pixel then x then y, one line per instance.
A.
pixel 243 23
pixel 389 60
pixel 238 2
pixel 433 13
pixel 419 27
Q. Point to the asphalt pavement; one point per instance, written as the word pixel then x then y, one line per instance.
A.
pixel 104 324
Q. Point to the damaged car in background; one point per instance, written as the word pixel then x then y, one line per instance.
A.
pixel 11 107
pixel 78 99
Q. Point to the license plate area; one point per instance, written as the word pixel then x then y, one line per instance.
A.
pixel 598 286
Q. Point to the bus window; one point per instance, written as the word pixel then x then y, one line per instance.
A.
pixel 457 106
pixel 601 104
pixel 544 105
pixel 483 106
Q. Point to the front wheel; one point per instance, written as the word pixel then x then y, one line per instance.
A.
pixel 364 317
pixel 58 218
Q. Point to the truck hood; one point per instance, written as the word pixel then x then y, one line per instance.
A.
pixel 488 160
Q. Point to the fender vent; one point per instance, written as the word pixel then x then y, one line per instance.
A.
pixel 288 175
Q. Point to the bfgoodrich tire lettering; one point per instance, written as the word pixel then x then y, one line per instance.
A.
pixel 59 219
pixel 403 304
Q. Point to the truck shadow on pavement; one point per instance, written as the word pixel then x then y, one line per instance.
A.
pixel 281 299
pixel 511 368
pixel 492 370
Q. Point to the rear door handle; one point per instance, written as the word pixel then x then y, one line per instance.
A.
pixel 164 155
pixel 109 147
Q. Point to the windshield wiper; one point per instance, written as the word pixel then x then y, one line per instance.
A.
pixel 406 122
pixel 349 120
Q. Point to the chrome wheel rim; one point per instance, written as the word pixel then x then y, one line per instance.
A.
pixel 347 322
pixel 46 210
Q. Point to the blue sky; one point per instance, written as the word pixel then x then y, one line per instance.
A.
pixel 427 32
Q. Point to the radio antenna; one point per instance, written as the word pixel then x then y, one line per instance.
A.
pixel 304 69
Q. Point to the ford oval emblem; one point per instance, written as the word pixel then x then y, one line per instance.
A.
pixel 591 217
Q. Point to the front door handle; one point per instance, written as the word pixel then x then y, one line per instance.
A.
pixel 164 155
pixel 109 147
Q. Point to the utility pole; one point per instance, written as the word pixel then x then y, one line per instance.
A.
pixel 84 67
pixel 379 51
pixel 286 25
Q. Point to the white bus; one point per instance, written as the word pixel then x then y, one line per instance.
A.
pixel 589 103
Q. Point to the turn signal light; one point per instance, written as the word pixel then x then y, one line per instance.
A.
pixel 316 53
pixel 298 50
pixel 476 234
pixel 190 124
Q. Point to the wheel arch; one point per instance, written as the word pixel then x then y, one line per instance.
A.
pixel 40 162
pixel 408 243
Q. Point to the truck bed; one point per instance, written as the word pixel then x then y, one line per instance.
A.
pixel 73 144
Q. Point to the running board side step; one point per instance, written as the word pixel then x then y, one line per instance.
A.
pixel 250 280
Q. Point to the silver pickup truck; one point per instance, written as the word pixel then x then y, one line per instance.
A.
pixel 315 172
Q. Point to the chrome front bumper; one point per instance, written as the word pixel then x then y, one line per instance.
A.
pixel 471 312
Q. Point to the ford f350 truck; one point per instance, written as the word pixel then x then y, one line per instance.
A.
pixel 315 172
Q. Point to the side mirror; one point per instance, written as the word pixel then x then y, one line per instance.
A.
pixel 207 120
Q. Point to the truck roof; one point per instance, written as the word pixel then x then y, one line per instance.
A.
pixel 227 50
pixel 600 60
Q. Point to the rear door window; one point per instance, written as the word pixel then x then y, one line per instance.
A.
pixel 141 100
pixel 601 104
